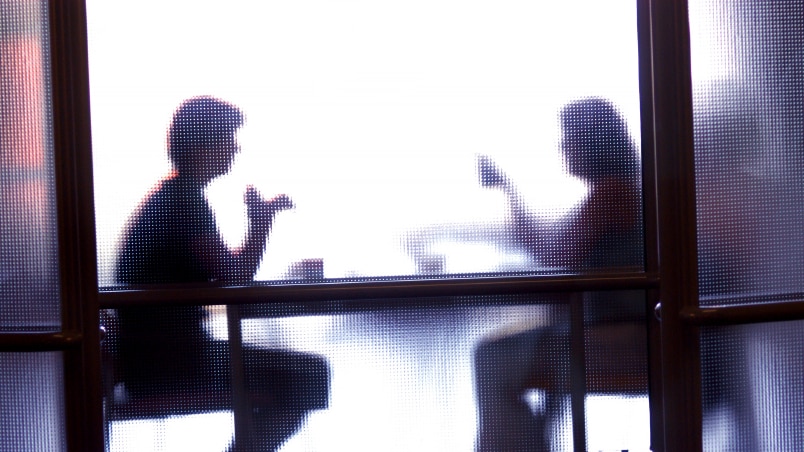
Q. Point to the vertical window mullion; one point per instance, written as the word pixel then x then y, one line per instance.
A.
pixel 71 137
pixel 672 95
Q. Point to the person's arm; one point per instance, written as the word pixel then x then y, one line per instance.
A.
pixel 527 231
pixel 240 265
pixel 565 243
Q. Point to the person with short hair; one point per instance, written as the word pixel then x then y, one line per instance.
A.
pixel 172 238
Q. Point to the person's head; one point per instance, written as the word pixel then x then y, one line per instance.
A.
pixel 595 142
pixel 202 138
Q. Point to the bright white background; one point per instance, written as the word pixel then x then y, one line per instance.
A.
pixel 369 114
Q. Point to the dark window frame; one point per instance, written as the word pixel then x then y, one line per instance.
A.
pixel 668 175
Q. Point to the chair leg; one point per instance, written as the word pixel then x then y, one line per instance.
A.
pixel 106 427
pixel 549 421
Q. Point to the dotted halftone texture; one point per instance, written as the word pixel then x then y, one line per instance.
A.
pixel 400 378
pixel 29 286
pixel 31 402
pixel 753 386
pixel 456 373
pixel 605 155
pixel 749 136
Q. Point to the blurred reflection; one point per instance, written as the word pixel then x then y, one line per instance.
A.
pixel 748 116
pixel 29 267
pixel 603 232
pixel 730 214
pixel 173 238
pixel 32 402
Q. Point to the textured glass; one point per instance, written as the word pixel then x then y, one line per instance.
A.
pixel 438 375
pixel 748 77
pixel 31 402
pixel 411 139
pixel 753 387
pixel 29 285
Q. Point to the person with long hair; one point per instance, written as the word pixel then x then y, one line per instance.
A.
pixel 603 232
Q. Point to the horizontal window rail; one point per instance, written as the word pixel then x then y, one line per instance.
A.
pixel 378 291
pixel 736 312
pixel 40 342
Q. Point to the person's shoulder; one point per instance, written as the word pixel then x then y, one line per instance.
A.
pixel 617 202
pixel 615 191
pixel 150 209
pixel 165 196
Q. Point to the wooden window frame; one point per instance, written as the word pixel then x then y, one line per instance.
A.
pixel 670 225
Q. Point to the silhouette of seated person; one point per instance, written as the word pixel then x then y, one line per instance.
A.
pixel 603 232
pixel 173 238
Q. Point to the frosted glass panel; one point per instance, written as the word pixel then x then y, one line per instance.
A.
pixel 31 402
pixel 752 387
pixel 748 76
pixel 385 124
pixel 442 374
pixel 29 285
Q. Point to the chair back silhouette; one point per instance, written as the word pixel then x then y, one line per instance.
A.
pixel 122 405
pixel 591 367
